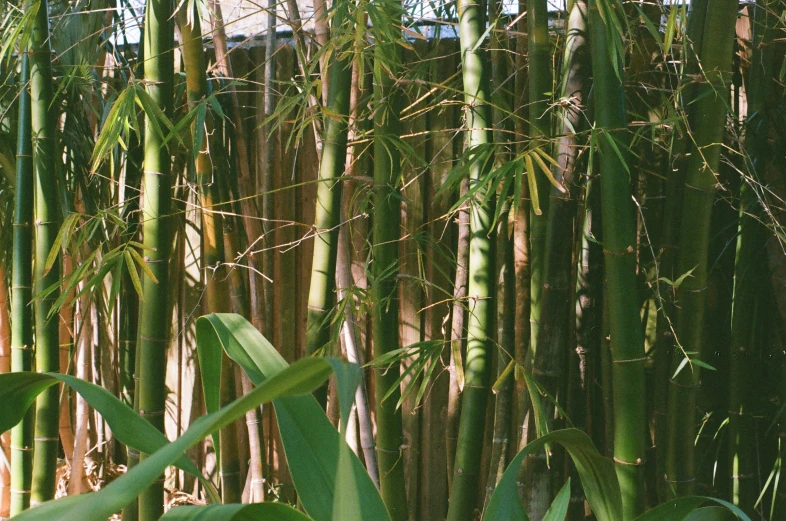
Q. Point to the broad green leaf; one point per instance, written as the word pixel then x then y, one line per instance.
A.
pixel 596 472
pixel 302 377
pixel 236 512
pixel 18 391
pixel 559 508
pixel 330 480
pixel 687 509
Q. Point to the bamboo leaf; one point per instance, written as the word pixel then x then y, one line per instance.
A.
pixel 533 189
pixel 131 267
pixel 142 264
pixel 687 509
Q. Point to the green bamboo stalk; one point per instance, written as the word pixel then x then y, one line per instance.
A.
pixel 669 247
pixel 47 224
pixel 154 316
pixel 480 291
pixel 540 83
pixel 506 282
pixel 326 221
pixel 217 292
pixel 750 264
pixel 552 327
pixel 385 244
pixel 619 239
pixel 707 121
pixel 22 295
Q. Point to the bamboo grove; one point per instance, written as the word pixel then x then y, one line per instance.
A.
pixel 381 260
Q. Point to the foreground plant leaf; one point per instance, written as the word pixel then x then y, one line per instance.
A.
pixel 687 509
pixel 235 512
pixel 596 472
pixel 330 480
pixel 302 377
pixel 19 390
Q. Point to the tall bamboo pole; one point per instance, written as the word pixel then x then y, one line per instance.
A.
pixel 331 168
pixel 619 239
pixel 47 224
pixel 217 291
pixel 477 368
pixel 749 268
pixel 22 295
pixel 156 192
pixel 707 120
pixel 385 245
pixel 540 84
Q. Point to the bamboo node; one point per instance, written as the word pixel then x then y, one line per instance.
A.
pixel 46 438
pixel 17 491
pixel 143 412
pixel 21 449
pixel 642 359
pixel 636 463
pixel 21 348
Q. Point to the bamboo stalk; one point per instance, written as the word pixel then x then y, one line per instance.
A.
pixel 480 289
pixel 619 238
pixel 154 316
pixel 707 121
pixel 385 266
pixel 47 224
pixel 22 295
pixel 326 221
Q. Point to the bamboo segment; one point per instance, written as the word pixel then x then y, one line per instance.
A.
pixel 386 234
pixel 540 84
pixel 154 316
pixel 749 270
pixel 619 239
pixel 47 224
pixel 326 221
pixel 22 295
pixel 480 290
pixel 707 124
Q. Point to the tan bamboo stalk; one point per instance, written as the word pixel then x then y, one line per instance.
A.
pixel 248 203
pixel 5 367
pixel 65 334
pixel 84 342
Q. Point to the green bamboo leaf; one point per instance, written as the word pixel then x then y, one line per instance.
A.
pixel 131 267
pixel 142 264
pixel 330 480
pixel 256 512
pixel 302 377
pixel 62 238
pixel 671 29
pixel 547 171
pixel 503 376
pixel 559 507
pixel 533 189
pixel 596 472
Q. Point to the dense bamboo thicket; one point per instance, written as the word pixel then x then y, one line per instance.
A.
pixel 381 260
